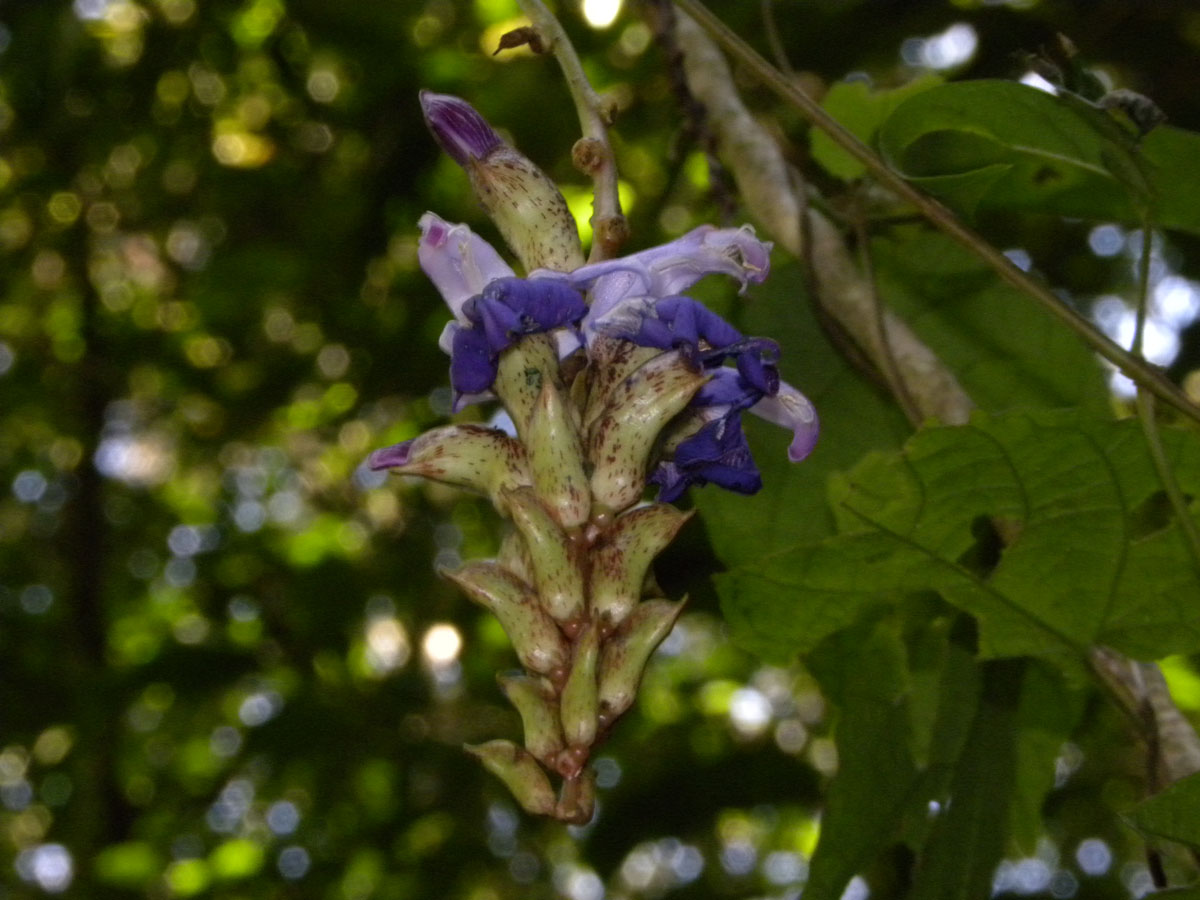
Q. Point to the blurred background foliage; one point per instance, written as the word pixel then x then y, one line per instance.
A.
pixel 228 667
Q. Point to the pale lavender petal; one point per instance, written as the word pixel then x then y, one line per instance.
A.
pixel 670 269
pixel 459 262
pixel 792 410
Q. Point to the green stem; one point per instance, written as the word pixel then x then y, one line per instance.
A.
pixel 1149 420
pixel 609 228
pixel 1137 369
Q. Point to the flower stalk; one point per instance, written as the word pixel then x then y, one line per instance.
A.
pixel 616 382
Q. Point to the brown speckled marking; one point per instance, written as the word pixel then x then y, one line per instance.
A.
pixel 639 408
pixel 528 209
pixel 537 703
pixel 620 563
pixel 556 460
pixel 555 561
pixel 625 654
pixel 469 456
pixel 540 646
pixel 520 772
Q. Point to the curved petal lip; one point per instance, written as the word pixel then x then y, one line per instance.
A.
pixel 390 457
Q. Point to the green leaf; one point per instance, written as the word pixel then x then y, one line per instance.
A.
pixel 969 836
pixel 1087 560
pixel 1006 350
pixel 1173 814
pixel 863 673
pixel 981 145
pixel 861 110
pixel 1049 713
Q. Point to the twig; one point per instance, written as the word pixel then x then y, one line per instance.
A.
pixel 1149 418
pixel 771 27
pixel 1137 369
pixel 763 179
pixel 592 153
pixel 891 369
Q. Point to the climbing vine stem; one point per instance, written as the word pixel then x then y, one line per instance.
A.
pixel 1136 368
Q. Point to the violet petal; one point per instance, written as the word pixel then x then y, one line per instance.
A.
pixel 458 128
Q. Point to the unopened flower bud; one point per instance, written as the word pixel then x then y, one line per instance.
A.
pixel 537 704
pixel 612 360
pixel 469 456
pixel 624 657
pixel 553 557
pixel 513 555
pixel 577 800
pixel 521 371
pixel 580 697
pixel 619 565
pixel 520 772
pixel 539 644
pixel 525 204
pixel 624 433
pixel 556 461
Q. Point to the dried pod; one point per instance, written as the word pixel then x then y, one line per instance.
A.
pixel 636 412
pixel 553 558
pixel 625 653
pixel 537 703
pixel 520 772
pixel 540 646
pixel 619 565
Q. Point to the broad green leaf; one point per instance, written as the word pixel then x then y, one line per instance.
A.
pixel 1049 713
pixel 863 673
pixel 969 836
pixel 1006 350
pixel 1086 561
pixel 860 109
pixel 1173 814
pixel 855 418
pixel 937 752
pixel 985 144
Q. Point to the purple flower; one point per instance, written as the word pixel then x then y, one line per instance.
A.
pixel 636 298
pixel 492 308
pixel 640 280
pixel 459 130
pixel 506 310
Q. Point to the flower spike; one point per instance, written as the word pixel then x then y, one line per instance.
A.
pixel 611 378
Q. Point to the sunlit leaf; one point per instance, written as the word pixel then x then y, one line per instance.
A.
pixel 860 109
pixel 982 145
